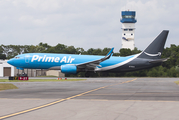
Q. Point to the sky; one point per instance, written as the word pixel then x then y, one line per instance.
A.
pixel 85 23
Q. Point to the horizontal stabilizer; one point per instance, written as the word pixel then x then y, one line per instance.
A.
pixel 159 60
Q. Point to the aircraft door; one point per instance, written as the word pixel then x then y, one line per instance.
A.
pixel 27 59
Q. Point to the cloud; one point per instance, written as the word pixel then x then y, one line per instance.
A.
pixel 85 23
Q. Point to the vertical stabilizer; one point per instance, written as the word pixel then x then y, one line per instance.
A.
pixel 155 49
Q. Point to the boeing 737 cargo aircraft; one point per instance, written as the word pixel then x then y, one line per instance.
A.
pixel 72 64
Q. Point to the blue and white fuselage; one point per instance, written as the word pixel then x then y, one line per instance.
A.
pixel 50 61
pixel 71 63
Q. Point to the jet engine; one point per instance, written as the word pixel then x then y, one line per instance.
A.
pixel 72 69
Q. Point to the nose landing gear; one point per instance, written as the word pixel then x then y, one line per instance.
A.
pixel 23 74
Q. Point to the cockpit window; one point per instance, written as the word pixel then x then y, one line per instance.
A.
pixel 17 57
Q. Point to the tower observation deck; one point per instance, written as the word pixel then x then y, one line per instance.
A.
pixel 128 28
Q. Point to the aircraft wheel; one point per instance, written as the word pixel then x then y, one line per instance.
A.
pixel 22 75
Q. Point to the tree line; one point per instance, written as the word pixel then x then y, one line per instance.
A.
pixel 170 68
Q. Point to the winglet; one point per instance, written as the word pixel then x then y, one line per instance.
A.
pixel 109 54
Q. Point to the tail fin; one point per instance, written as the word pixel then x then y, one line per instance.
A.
pixel 155 49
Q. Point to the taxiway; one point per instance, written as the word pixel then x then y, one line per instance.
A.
pixel 94 98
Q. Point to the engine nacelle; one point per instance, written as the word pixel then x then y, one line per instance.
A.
pixel 69 69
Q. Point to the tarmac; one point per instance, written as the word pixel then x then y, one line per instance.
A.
pixel 93 99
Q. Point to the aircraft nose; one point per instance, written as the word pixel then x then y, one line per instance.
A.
pixel 10 62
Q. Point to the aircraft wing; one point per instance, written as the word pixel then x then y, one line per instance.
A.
pixel 93 64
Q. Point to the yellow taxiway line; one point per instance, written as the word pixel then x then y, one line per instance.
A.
pixel 61 100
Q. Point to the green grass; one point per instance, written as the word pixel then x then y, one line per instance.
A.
pixel 47 76
pixel 177 82
pixel 6 86
pixel 40 80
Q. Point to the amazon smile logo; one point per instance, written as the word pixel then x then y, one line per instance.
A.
pixel 159 54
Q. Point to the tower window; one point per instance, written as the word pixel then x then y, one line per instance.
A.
pixel 128 16
pixel 125 29
pixel 124 34
pixel 131 34
pixel 130 29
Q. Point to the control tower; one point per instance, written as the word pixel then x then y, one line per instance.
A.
pixel 128 28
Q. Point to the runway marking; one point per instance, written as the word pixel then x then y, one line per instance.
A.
pixel 61 100
pixel 130 94
pixel 125 100
pixel 28 98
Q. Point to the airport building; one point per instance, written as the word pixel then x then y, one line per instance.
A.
pixel 128 28
pixel 6 69
pixel 9 70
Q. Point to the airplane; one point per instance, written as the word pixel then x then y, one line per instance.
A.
pixel 72 63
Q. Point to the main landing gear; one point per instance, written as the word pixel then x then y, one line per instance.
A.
pixel 90 73
pixel 87 74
